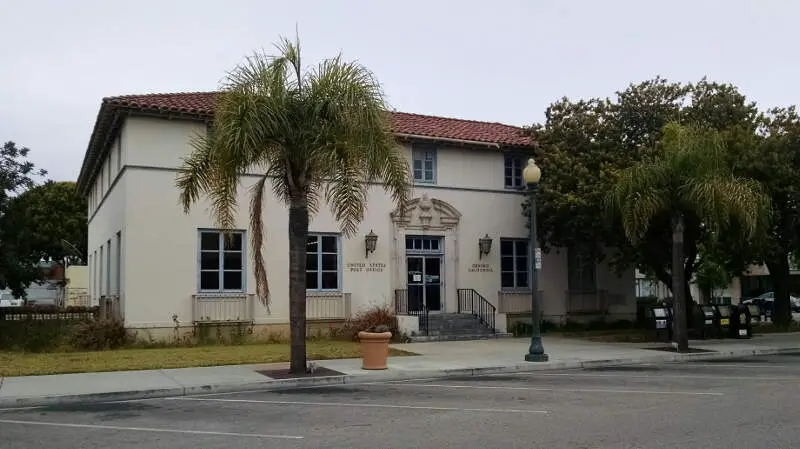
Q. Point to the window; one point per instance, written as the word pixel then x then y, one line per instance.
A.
pixel 424 164
pixel 423 243
pixel 118 287
pixel 513 171
pixel 118 150
pixel 95 284
pixel 580 272
pixel 100 276
pixel 514 265
pixel 108 267
pixel 91 276
pixel 322 262
pixel 222 261
pixel 108 171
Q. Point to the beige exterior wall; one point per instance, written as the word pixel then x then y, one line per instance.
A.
pixel 160 243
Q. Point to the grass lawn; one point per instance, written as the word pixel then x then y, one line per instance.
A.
pixel 29 364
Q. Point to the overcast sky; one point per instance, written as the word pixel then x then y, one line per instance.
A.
pixel 498 60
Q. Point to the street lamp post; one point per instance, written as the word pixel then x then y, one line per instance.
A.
pixel 531 175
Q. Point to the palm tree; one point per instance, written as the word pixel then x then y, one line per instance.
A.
pixel 316 135
pixel 688 174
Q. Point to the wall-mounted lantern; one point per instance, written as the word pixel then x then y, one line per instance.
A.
pixel 370 242
pixel 484 246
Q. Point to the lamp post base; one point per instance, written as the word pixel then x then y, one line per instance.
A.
pixel 536 357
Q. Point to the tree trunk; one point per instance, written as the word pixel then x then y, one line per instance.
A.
pixel 298 236
pixel 679 286
pixel 779 272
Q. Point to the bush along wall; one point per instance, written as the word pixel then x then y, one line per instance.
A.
pixel 38 329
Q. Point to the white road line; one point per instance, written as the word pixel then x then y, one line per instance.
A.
pixel 564 390
pixel 734 365
pixel 19 409
pixel 148 429
pixel 342 404
pixel 665 377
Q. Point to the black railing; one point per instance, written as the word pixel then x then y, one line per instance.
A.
pixel 470 301
pixel 414 308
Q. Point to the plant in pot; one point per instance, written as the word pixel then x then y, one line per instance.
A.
pixel 375 346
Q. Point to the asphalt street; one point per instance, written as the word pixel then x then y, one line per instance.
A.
pixel 742 403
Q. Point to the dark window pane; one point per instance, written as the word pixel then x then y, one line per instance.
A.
pixel 312 262
pixel 417 164
pixel 209 260
pixel 426 244
pixel 233 261
pixel 506 248
pixel 509 171
pixel 209 241
pixel 435 244
pixel 209 280
pixel 521 247
pixel 506 264
pixel 311 280
pixel 522 279
pixel 330 280
pixel 330 262
pixel 507 279
pixel 233 241
pixel 522 264
pixel 312 246
pixel 409 243
pixel 418 175
pixel 232 280
pixel 329 244
pixel 509 182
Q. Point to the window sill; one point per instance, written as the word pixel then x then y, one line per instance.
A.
pixel 218 293
pixel 515 291
pixel 323 292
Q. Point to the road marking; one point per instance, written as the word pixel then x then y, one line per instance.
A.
pixel 735 365
pixel 342 404
pixel 148 429
pixel 662 376
pixel 565 390
pixel 17 409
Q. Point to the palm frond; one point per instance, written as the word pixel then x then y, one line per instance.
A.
pixel 640 193
pixel 719 199
pixel 257 241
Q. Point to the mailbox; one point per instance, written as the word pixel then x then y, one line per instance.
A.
pixel 724 312
pixel 741 323
pixel 662 321
pixel 708 324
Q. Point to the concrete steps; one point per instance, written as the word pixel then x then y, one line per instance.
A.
pixel 455 327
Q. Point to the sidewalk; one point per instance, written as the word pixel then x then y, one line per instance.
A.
pixel 436 359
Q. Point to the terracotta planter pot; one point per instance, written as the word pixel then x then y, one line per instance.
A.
pixel 374 349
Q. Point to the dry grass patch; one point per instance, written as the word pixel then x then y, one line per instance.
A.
pixel 30 364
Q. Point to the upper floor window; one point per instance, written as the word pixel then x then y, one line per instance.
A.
pixel 221 261
pixel 514 165
pixel 514 266
pixel 322 262
pixel 424 164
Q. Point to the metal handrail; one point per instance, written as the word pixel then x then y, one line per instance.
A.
pixel 470 301
pixel 401 308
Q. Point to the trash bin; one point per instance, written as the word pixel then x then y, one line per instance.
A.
pixel 741 323
pixel 708 322
pixel 724 312
pixel 661 322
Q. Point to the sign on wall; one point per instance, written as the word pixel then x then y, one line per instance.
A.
pixel 480 268
pixel 366 267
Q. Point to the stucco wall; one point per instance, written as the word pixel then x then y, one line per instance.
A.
pixel 160 241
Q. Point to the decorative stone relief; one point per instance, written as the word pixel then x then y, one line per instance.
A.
pixel 427 213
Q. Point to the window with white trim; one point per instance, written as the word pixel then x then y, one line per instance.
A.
pixel 221 261
pixel 424 164
pixel 514 263
pixel 512 172
pixel 323 267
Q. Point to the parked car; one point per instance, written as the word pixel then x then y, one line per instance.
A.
pixel 767 302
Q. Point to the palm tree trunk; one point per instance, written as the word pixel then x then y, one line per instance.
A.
pixel 298 236
pixel 679 285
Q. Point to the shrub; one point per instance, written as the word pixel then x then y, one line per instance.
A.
pixel 370 319
pixel 100 334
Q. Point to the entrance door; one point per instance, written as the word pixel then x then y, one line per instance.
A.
pixel 424 283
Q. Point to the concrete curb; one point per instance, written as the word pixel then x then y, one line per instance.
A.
pixel 371 378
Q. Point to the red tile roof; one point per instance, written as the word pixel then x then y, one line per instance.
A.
pixel 202 103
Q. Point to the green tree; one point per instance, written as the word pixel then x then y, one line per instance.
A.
pixel 775 161
pixel 688 176
pixel 584 145
pixel 17 174
pixel 317 135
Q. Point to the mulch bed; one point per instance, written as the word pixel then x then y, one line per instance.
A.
pixel 673 349
pixel 283 373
